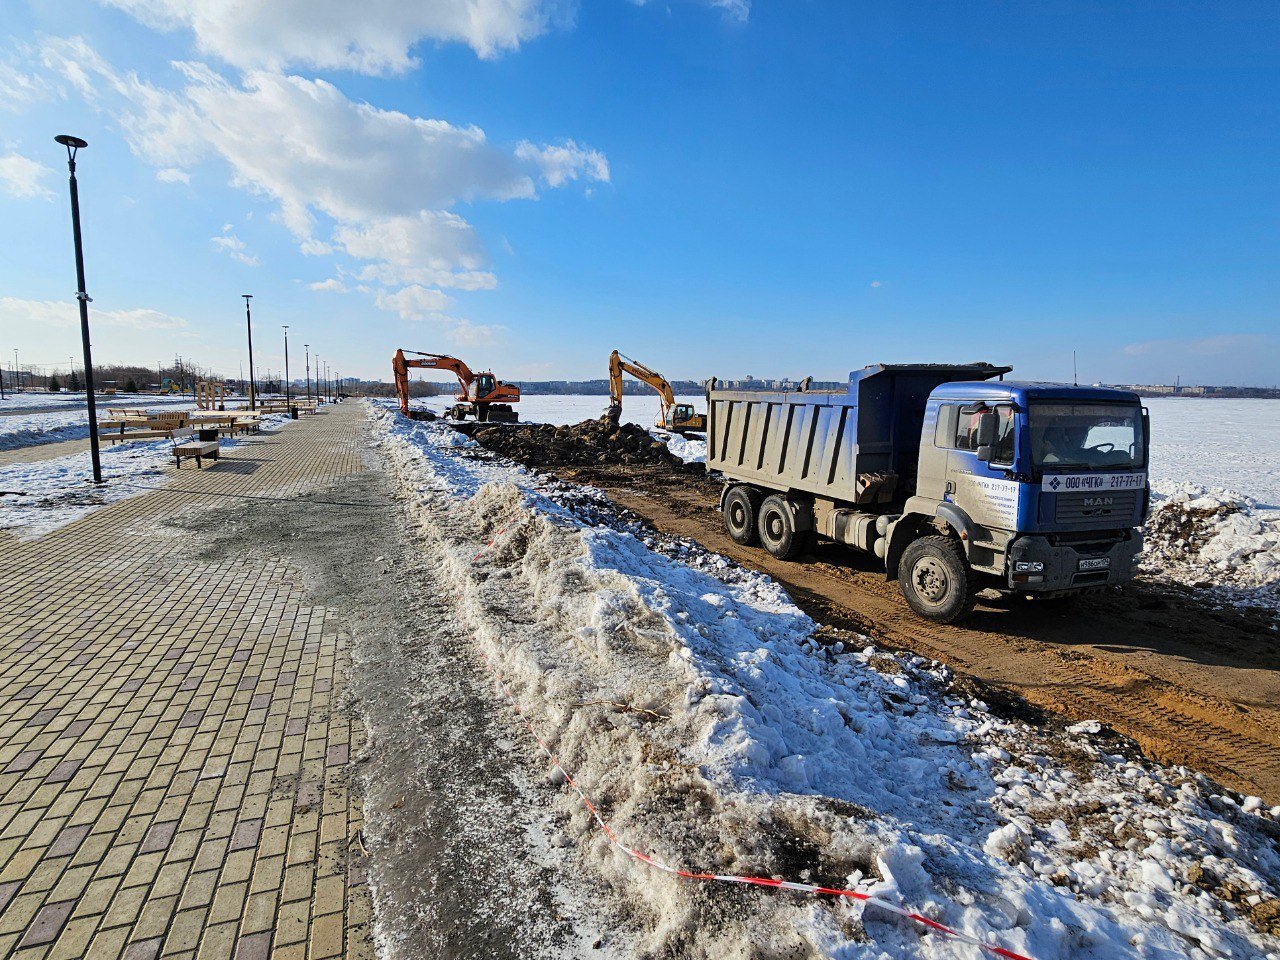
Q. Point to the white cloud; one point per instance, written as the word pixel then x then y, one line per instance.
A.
pixel 23 177
pixel 66 313
pixel 19 90
pixel 434 247
pixel 563 162
pixel 173 175
pixel 332 285
pixel 234 247
pixel 422 304
pixel 372 36
pixel 876 283
pixel 739 10
pixel 347 179
pixel 415 303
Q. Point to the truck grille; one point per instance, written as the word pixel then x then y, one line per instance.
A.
pixel 1115 507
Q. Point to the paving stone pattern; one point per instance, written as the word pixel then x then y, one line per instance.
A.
pixel 173 767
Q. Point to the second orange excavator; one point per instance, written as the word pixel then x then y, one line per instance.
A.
pixel 481 395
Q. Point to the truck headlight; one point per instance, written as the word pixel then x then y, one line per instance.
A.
pixel 1029 566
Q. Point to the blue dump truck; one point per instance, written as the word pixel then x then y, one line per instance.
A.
pixel 957 479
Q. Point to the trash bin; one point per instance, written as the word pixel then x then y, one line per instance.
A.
pixel 293 413
pixel 208 433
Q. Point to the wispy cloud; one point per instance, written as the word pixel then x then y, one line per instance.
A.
pixel 65 313
pixel 233 247
pixel 24 178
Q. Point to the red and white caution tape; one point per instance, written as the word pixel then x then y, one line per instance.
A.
pixel 769 882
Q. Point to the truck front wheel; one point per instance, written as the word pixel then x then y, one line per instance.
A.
pixel 935 579
pixel 741 504
pixel 777 529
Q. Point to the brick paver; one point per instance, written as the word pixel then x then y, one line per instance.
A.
pixel 173 771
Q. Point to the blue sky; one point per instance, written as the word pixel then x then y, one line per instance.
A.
pixel 774 188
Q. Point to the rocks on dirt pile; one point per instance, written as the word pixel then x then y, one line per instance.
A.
pixel 585 444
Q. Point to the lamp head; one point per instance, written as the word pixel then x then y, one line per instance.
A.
pixel 72 144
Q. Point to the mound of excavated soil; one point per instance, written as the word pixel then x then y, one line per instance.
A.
pixel 585 444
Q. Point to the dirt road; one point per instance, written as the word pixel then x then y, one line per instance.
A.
pixel 1192 685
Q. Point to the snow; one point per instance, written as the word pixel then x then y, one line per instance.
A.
pixel 1232 444
pixel 43 495
pixel 24 430
pixel 30 398
pixel 745 733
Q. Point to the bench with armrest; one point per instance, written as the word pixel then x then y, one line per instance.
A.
pixel 187 443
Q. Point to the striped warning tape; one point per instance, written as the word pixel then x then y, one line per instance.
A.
pixel 767 882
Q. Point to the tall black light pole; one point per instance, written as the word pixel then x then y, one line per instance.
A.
pixel 288 396
pixel 307 348
pixel 248 323
pixel 74 144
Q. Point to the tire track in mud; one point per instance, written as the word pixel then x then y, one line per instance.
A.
pixel 1191 685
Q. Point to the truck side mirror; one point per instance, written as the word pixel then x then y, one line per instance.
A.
pixel 986 430
pixel 984 452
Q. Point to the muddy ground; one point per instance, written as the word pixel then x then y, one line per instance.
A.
pixel 1192 684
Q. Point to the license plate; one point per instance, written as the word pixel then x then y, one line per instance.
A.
pixel 1095 563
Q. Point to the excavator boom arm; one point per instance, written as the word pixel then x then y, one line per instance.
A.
pixel 618 365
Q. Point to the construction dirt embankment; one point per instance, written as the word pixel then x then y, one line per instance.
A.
pixel 1191 682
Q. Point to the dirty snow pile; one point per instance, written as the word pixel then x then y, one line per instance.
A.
pixel 720 729
pixel 1214 539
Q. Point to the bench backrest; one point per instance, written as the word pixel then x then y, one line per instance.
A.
pixel 182 433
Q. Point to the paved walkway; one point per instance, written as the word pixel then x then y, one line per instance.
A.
pixel 173 767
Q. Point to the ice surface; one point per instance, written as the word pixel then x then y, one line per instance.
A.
pixel 1234 444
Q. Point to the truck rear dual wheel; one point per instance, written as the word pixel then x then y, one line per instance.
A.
pixel 741 505
pixel 936 580
pixel 777 528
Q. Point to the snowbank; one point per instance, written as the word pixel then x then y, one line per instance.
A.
pixel 1214 539
pixel 720 729
pixel 25 430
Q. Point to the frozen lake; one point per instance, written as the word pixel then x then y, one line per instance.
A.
pixel 1218 443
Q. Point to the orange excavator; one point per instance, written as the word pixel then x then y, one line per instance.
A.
pixel 481 395
pixel 678 418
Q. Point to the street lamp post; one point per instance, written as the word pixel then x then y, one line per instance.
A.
pixel 288 393
pixel 307 349
pixel 248 323
pixel 73 144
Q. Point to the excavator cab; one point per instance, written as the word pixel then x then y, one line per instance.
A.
pixel 483 385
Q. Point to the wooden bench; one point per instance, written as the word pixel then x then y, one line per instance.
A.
pixel 187 444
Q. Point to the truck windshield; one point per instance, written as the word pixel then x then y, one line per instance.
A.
pixel 1090 436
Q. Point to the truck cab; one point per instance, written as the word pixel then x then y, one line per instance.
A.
pixel 1046 484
